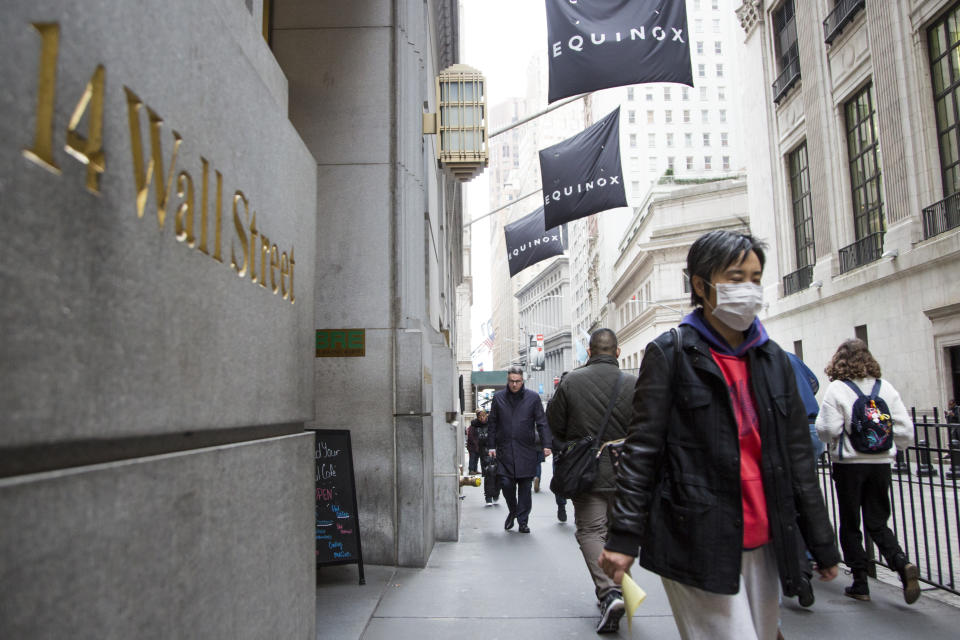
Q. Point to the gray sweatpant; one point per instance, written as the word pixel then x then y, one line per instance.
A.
pixel 751 614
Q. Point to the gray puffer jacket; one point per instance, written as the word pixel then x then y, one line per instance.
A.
pixel 578 406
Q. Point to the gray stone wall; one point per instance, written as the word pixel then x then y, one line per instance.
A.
pixel 157 302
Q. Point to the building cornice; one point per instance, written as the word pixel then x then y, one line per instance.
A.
pixel 750 13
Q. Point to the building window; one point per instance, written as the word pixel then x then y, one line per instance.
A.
pixel 633 141
pixel 798 348
pixel 632 116
pixel 670 163
pixel 689 163
pixel 686 116
pixel 724 139
pixel 721 94
pixel 686 281
pixel 718 47
pixel 688 139
pixel 719 69
pixel 785 28
pixel 701 71
pixel 707 162
pixel 706 139
pixel 716 25
pixel 860 331
pixel 698 25
pixel 945 70
pixel 668 116
pixel 635 187
pixel 864 156
pixel 669 139
pixel 700 47
pixel 650 117
pixel 651 140
pixel 666 93
pixel 715 5
pixel 649 96
pixel 630 93
pixel 802 207
pixel 723 115
pixel 705 116
pixel 685 93
pixel 704 94
pixel 696 5
pixel 726 163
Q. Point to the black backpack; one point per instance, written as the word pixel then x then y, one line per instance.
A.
pixel 871 428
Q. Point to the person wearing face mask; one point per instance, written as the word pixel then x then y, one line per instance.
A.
pixel 716 486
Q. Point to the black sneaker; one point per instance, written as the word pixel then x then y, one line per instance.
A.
pixel 611 610
pixel 805 592
pixel 489 502
pixel 562 513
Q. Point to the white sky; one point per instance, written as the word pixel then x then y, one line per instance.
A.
pixel 497 37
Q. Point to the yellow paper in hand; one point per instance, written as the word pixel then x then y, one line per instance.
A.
pixel 633 595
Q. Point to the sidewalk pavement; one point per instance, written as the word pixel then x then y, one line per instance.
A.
pixel 495 584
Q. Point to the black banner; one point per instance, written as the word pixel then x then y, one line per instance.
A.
pixel 582 174
pixel 528 243
pixel 595 44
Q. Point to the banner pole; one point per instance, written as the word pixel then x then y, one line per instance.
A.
pixel 536 115
pixel 513 202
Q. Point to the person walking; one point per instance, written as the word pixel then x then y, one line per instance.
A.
pixel 577 410
pixel 863 478
pixel 716 478
pixel 517 430
pixel 488 464
pixel 473 440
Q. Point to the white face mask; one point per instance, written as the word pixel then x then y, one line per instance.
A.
pixel 738 303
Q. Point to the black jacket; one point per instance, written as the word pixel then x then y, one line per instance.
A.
pixel 679 479
pixel 578 407
pixel 511 423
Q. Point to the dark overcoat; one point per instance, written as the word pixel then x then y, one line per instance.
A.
pixel 512 422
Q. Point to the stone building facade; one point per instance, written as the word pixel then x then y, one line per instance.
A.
pixel 853 174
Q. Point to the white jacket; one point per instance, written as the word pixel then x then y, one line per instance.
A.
pixel 833 421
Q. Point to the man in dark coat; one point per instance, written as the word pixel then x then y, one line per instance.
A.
pixel 517 428
pixel 473 440
pixel 716 479
pixel 577 410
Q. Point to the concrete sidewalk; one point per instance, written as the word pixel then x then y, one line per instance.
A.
pixel 495 584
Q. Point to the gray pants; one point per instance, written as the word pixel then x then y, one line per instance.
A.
pixel 751 614
pixel 591 514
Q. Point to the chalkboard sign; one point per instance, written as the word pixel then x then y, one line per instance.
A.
pixel 338 527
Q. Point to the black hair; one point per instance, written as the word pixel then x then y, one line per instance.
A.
pixel 716 251
pixel 603 341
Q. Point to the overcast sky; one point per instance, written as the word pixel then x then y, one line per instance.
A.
pixel 498 37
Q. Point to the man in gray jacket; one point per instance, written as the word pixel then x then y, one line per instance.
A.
pixel 577 410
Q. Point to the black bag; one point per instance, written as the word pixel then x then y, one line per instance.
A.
pixel 575 465
pixel 871 428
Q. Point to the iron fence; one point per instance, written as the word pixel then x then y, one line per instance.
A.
pixel 925 504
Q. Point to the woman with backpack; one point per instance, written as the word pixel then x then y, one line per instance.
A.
pixel 865 423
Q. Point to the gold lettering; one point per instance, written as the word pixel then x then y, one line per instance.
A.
pixel 204 200
pixel 264 249
pixel 292 299
pixel 253 248
pixel 284 272
pixel 274 263
pixel 90 150
pixel 42 150
pixel 241 234
pixel 142 178
pixel 183 222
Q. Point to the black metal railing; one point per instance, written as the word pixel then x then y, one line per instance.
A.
pixel 798 280
pixel 861 252
pixel 787 78
pixel 925 503
pixel 840 17
pixel 942 216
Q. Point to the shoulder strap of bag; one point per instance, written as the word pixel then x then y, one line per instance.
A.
pixel 875 392
pixel 857 390
pixel 613 401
